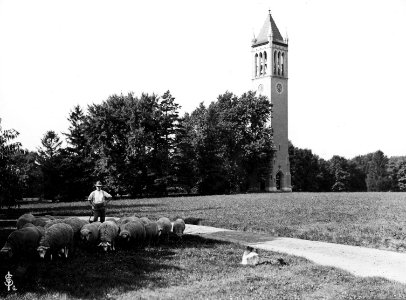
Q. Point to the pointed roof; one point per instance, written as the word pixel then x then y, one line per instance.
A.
pixel 268 27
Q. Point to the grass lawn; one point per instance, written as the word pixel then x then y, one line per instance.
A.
pixel 206 269
pixel 194 269
pixel 376 220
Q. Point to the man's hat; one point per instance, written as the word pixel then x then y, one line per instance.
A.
pixel 98 183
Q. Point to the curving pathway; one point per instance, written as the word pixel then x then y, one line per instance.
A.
pixel 359 261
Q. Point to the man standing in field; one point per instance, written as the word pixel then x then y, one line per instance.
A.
pixel 98 200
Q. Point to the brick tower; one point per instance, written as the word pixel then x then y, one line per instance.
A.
pixel 270 78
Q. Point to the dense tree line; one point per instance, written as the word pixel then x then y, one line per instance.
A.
pixel 372 172
pixel 141 146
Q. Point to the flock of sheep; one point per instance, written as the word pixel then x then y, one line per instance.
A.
pixel 50 237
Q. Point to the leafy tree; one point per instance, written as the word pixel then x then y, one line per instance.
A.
pixel 395 165
pixel 30 173
pixel 106 132
pixel 184 156
pixel 304 169
pixel 231 141
pixel 325 178
pixel 401 177
pixel 9 173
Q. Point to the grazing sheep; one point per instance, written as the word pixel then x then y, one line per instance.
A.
pixel 133 233
pixel 145 220
pixel 40 221
pixel 90 233
pixel 165 227
pixel 22 242
pixel 152 233
pixel 24 219
pixel 124 220
pixel 108 231
pixel 58 239
pixel 74 222
pixel 40 228
pixel 111 219
pixel 178 227
pixel 53 222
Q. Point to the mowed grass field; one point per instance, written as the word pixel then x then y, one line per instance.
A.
pixel 197 268
pixel 376 220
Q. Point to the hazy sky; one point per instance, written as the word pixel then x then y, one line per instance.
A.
pixel 347 63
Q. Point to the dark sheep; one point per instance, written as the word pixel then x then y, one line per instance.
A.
pixel 124 220
pixel 90 233
pixel 152 233
pixel 22 242
pixel 24 219
pixel 133 233
pixel 41 221
pixel 178 227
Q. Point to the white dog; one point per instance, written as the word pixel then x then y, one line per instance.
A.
pixel 250 257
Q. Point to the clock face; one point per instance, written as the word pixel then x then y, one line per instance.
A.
pixel 279 88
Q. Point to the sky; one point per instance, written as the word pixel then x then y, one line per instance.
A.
pixel 347 63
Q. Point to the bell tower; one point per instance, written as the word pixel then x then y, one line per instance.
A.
pixel 270 78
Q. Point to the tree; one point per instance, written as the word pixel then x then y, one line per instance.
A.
pixel 304 169
pixel 184 156
pixel 77 162
pixel 401 177
pixel 377 175
pixel 30 173
pixel 10 184
pixel 231 141
pixel 50 160
pixel 395 172
pixel 339 169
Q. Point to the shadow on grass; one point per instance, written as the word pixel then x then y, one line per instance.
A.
pixel 90 274
pixel 70 210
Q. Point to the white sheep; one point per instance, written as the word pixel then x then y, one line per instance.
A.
pixel 74 222
pixel 133 233
pixel 25 218
pixel 58 239
pixel 152 233
pixel 145 220
pixel 108 231
pixel 90 233
pixel 22 242
pixel 178 227
pixel 165 227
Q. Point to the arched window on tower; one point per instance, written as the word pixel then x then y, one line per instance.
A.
pixel 256 65
pixel 274 62
pixel 265 62
pixel 283 64
pixel 279 63
pixel 261 69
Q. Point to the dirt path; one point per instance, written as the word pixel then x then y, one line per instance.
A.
pixel 359 261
